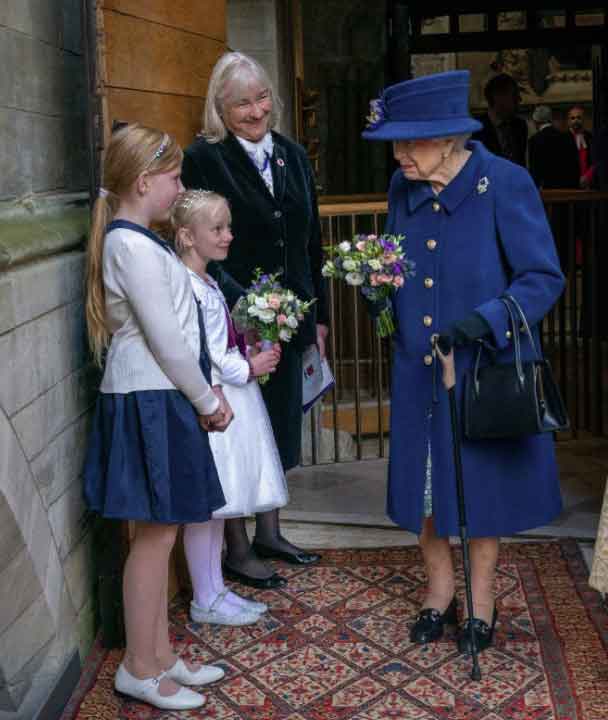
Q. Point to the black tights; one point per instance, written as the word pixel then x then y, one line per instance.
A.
pixel 239 554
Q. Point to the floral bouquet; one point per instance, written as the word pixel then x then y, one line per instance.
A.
pixel 377 264
pixel 270 311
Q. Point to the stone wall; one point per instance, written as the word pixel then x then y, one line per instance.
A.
pixel 46 589
pixel 258 28
pixel 42 130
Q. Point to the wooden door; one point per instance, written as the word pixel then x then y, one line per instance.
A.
pixel 149 61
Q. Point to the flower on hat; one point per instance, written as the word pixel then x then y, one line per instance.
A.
pixel 377 113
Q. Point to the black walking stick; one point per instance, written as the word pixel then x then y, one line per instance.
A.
pixel 446 357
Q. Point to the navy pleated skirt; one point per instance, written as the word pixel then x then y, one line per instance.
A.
pixel 148 459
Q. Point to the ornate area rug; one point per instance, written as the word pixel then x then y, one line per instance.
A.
pixel 335 647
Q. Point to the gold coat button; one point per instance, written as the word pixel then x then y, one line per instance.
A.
pixel 508 334
pixel 427 320
pixel 436 206
pixel 428 283
pixel 428 360
pixel 431 244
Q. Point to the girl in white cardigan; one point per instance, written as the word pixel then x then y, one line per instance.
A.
pixel 148 459
pixel 246 454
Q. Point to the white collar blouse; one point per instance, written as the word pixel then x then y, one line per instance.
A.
pixel 260 154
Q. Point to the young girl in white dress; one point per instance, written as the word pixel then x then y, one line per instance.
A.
pixel 246 456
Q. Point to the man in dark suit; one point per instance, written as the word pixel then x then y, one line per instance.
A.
pixel 504 133
pixel 550 153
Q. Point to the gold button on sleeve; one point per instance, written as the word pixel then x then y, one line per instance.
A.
pixel 427 320
pixel 431 244
pixel 428 283
pixel 508 334
pixel 428 360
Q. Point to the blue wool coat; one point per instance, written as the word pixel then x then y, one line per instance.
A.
pixel 485 234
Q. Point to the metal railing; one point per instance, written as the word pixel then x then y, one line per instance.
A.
pixel 352 422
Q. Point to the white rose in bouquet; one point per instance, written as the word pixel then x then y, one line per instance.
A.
pixel 328 269
pixel 354 278
pixel 344 246
pixel 261 302
pixel 285 334
pixel 266 315
pixel 350 265
pixel 292 322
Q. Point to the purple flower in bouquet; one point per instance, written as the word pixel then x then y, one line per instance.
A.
pixel 376 264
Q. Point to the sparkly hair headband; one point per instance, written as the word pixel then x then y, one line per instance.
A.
pixel 191 196
pixel 161 149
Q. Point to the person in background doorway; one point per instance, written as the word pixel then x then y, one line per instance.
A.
pixel 504 133
pixel 581 148
pixel 548 153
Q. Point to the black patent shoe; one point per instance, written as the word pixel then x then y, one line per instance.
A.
pixel 273 582
pixel 430 623
pixel 484 634
pixel 301 557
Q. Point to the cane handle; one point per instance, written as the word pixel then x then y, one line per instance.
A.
pixel 447 367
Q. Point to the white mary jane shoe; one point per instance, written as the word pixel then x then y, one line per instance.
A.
pixel 203 676
pixel 251 605
pixel 147 691
pixel 214 616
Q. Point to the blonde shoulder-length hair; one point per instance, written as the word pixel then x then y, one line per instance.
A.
pixel 232 72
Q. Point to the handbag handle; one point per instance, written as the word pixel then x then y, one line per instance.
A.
pixel 517 318
pixel 524 322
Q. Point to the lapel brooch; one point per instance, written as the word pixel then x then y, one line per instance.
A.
pixel 281 162
pixel 482 185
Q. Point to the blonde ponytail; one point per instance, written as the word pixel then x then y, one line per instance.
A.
pixel 95 306
pixel 132 150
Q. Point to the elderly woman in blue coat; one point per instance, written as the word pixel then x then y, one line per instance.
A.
pixel 475 226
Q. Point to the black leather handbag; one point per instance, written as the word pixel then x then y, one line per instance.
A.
pixel 520 398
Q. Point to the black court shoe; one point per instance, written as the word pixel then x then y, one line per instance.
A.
pixel 274 582
pixel 484 634
pixel 430 623
pixel 301 557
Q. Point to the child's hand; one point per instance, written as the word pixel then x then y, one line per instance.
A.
pixel 228 415
pixel 266 361
pixel 219 421
pixel 208 422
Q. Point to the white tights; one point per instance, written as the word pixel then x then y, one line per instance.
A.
pixel 203 544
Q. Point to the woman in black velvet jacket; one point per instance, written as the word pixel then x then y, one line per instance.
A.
pixel 269 184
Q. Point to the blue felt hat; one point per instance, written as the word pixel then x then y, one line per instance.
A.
pixel 425 107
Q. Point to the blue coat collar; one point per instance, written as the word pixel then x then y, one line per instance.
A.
pixel 461 186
